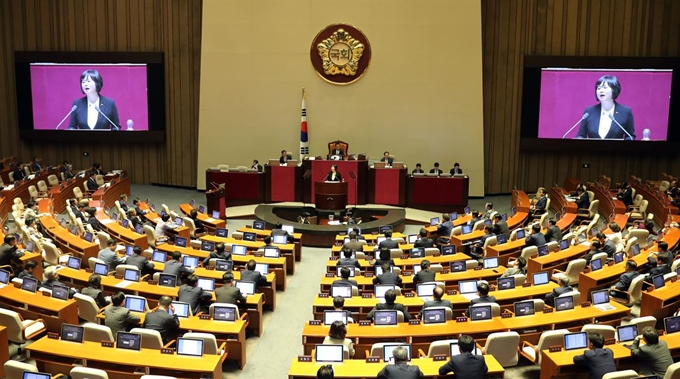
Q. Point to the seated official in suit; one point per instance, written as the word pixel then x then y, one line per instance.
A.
pixel 93 111
pixel 117 317
pixel 625 194
pixel 386 159
pixel 661 268
pixel 608 246
pixel 353 243
pixel 19 172
pixel 193 294
pixel 475 218
pixel 161 321
pixel 477 249
pixel 435 169
pixel 488 211
pixel 229 293
pixel 559 291
pixel 483 293
pixel 518 269
pixel 445 227
pixel 9 254
pixel 422 240
pixel 29 267
pixel 139 261
pixel 536 238
pixel 337 151
pixel 344 279
pixel 66 169
pixel 164 229
pixel 134 218
pixel 338 305
pixel 347 259
pixel 553 234
pixel 500 226
pixel 109 256
pixel 540 207
pixel 436 301
pixel 418 169
pixel 608 119
pixel 465 365
pixel 384 256
pixel 35 166
pixel 654 356
pixel 199 230
pixel 388 242
pixel 219 253
pixel 595 248
pixel 122 200
pixel 334 175
pixel 400 369
pixel 662 250
pixel 277 230
pixel 583 201
pixel 97 169
pixel 52 278
pixel 283 159
pixel 387 277
pixel 325 372
pixel 425 274
pixel 92 219
pixel 337 336
pixel 76 208
pixel 456 170
pixel 94 290
pixel 389 304
pixel 175 267
pixel 597 360
pixel 140 212
pixel 256 166
pixel 250 275
pixel 92 181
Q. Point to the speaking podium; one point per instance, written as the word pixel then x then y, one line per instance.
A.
pixel 330 195
pixel 215 200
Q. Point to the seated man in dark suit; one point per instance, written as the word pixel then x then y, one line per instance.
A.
pixel 219 253
pixel 559 291
pixel 654 356
pixel 344 279
pixel 134 218
pixel 337 150
pixel 92 182
pixel 436 302
pixel 400 369
pixel 199 230
pixel 161 321
pixel 76 208
pixel 477 249
pixel 256 166
pixel 597 360
pixel 92 219
pixel 540 207
pixel 425 274
pixel 475 218
pixel 384 256
pixel 122 200
pixel 193 294
pixel 436 169
pixel 284 157
pixel 583 201
pixel 229 293
pixel 278 231
pixel 389 304
pixel 19 173
pixel 386 159
pixel 456 170
pixel 52 278
pixel 625 280
pixel 625 194
pixel 418 169
pixel 35 166
pixel 662 247
pixel 353 243
pixel 66 169
pixel 139 261
pixel 500 226
pixel 422 240
pixel 553 233
pixel 483 293
pixel 595 248
pixel 250 275
pixel 444 229
pixel 608 246
pixel 389 242
pixel 536 238
pixel 175 267
pixel 29 267
pixel 662 268
pixel 347 259
pixel 9 254
pixel 465 365
pixel 140 212
pixel 387 277
pixel 117 317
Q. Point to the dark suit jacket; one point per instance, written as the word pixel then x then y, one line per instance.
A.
pixel 400 371
pixel 553 234
pixel 119 319
pixel 423 276
pixel 229 294
pixel 591 125
pixel 216 255
pixel 557 292
pixel 445 228
pixel 537 239
pixel 654 359
pixel 626 196
pixel 96 294
pixel 658 270
pixel 140 262
pixel 349 262
pixel 465 366
pixel 258 167
pixel 193 296
pixel 106 106
pixel 436 171
pixel 389 243
pixel 354 245
pixel 9 256
pixel 338 177
pixel 344 282
pixel 67 173
pixel 609 247
pixel 385 306
pixel 165 324
pixel 480 300
pixel 435 304
pixel 424 242
pixel 456 171
pixel 26 274
pixel 625 280
pixel 92 184
pixel 541 204
pixel 501 227
pixel 388 278
pixel 584 201
pixel 253 276
pixel 35 167
pixel 176 268
pixel 598 362
pixel 417 171
pixel 282 160
pixel 18 174
pixel 389 161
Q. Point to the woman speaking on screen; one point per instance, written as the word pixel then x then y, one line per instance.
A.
pixel 93 111
pixel 609 119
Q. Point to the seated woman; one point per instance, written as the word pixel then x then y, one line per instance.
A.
pixel 336 336
pixel 94 290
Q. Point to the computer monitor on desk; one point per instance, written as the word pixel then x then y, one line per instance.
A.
pixel 129 341
pixel 388 348
pixel 385 317
pixel 329 317
pixel 180 241
pixel 573 341
pixel 328 353
pixel 190 346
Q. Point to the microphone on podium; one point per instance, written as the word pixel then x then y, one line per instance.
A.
pixel 73 109
pixel 622 128
pixel 114 126
pixel 585 116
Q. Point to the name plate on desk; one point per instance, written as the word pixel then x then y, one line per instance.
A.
pixel 314 322
pixel 204 317
pixel 16 285
pixel 452 292
pixel 585 304
pixel 210 268
pixel 461 319
pixel 89 270
pixel 334 258
pixel 304 358
pixel 373 359
pixel 364 323
pixel 437 254
pixel 409 294
pixel 46 294
pixel 118 276
pixel 479 268
pixel 445 271
pixel 610 263
pixel 368 274
pixel 258 254
pixel 165 350
pixel 650 288
pixel 674 279
pixel 506 315
pixel 323 295
pixel 610 341
pixel 661 332
pixel 525 284
pixel 547 310
pixel 586 270
pixel 329 275
pixel 107 343
pixel 555 348
pixel 369 257
pixel 153 282
pixel 53 336
pixel 404 256
pixel 492 288
pixel 414 322
pixel 440 357
pixel 366 296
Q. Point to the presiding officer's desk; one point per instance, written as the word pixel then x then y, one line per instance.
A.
pixel 57 356
pixel 36 305
pixel 359 369
pixel 406 264
pixel 287 251
pixel 297 238
pixel 68 242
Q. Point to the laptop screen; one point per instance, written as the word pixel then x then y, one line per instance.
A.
pixel 125 223
pixel 207 246
pixel 207 284
pixel 380 289
pixel 524 308
pixel 88 236
pixel 263 268
pixel 626 333
pixel 167 280
pixel 30 246
pixel 181 309
pixel 564 303
pixel 412 238
pixel 388 348
pixel 504 217
pixel 135 303
pixel 221 232
pixel 543 250
pixel 596 264
pixel 466 210
pixel 383 228
pixel 280 240
pixel 130 341
pixel 425 289
pixel 4 276
pixel 159 256
pixel 330 317
pixel 458 266
pixel 215 214
pixel 271 252
pixel 192 202
pixel 455 350
pixel 672 324
pixel 258 225
pixel 490 263
pixel 434 221
pixel 434 316
pixel 73 333
pixel 224 313
pixel 453 216
pixel 636 249
pixel 520 233
pixel 189 346
pixel 289 228
pixel 540 278
pixel 417 252
pixel 29 284
pixel 564 245
pixel 480 312
pixel 247 236
pixel 101 269
pixel 60 292
pixel 179 221
pixel 131 275
pixel 114 216
pixel 190 261
pixel 129 249
pixel 658 281
pixel 601 297
pixel 416 269
pixel 238 250
pixel 618 257
pixel 248 288
pixel 467 286
pixel 448 250
pixel 467 229
pixel 501 239
pixel 201 209
pixel 36 375
pixel 224 265
pixel 74 263
pixel 385 317
pixel 506 283
pixel 573 341
pixel 328 353
pixel 180 241
pixel 140 230
pixel 342 291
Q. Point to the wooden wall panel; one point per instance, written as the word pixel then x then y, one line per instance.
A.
pixel 169 26
pixel 638 28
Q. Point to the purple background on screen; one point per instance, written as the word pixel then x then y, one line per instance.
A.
pixel 54 87
pixel 566 94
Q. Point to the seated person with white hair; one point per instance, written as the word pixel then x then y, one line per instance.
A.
pixel 400 369
pixel 52 278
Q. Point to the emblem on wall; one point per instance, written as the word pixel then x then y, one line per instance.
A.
pixel 340 54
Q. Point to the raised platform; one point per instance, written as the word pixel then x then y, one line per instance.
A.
pixel 320 235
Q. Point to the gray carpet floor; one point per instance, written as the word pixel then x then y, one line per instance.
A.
pixel 270 355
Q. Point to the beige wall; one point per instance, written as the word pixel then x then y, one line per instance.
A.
pixel 421 97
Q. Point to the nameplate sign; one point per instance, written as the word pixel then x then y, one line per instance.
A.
pixel 585 304
pixel 506 315
pixel 366 296
pixel 165 350
pixel 525 284
pixel 334 258
pixel 368 274
pixel 118 276
pixel 445 271
pixel 329 275
pixel 322 295
pixel 210 268
pixel 404 257
pixel 107 343
pixel 409 294
pixel 364 323
pixel 314 322
pixel 153 282
pixel 46 294
pixel 674 279
pixel 554 349
pixel 436 254
pixel 88 270
pixel 369 257
pixel 204 317
pixel 414 322
pixel 650 288
pixel 547 310
pixel 610 341
pixel 440 357
pixel 452 292
pixel 479 268
pixel 461 319
pixel 610 263
pixel 258 254
pixel 372 359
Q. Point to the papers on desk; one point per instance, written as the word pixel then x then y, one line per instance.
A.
pixel 123 284
pixel 334 222
pixel 30 177
pixel 470 296
pixel 106 221
pixel 116 172
pixel 605 307
pixel 571 200
pixel 210 219
pixel 614 198
pixel 9 187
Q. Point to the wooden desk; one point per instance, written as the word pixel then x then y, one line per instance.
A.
pixel 297 238
pixel 21 192
pixel 558 260
pixel 607 276
pixel 210 223
pixel 559 203
pixel 608 205
pixel 437 194
pixel 520 200
pixel 63 238
pixel 233 333
pixel 62 193
pixel 371 238
pixel 107 195
pixel 4 353
pixel 152 217
pixel 56 356
pixel 459 240
pixel 287 251
pixel 659 204
pixel 35 305
pixel 661 302
pixel 405 264
pixel 116 230
pixel 359 369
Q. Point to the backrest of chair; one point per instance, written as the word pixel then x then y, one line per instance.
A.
pixel 12 321
pixel 440 347
pixel 97 333
pixel 519 279
pixel 591 195
pixel 42 186
pixel 151 339
pixel 675 265
pixel 673 371
pixel 120 269
pixel 165 208
pixel 544 217
pixel 87 373
pixel 190 223
pixel 503 347
pixel 643 206
pixel 592 223
pixel 574 268
pixel 150 237
pixel 209 341
pixel 470 264
pixel 51 255
pixel 539 305
pixel 624 374
pixel 606 331
pixel 549 338
pixel 479 225
pixel 226 305
pixel 553 246
pixel 635 289
pixel 103 239
pixel 33 191
pixel 592 210
pixel 344 146
pixel 629 245
pixel 52 180
pixel 15 369
pixel 491 241
pixel 87 307
pixel 529 252
pixel 99 179
pixel 11 176
pixel 637 200
pixel 575 294
pixel 91 261
pixel 436 267
pixel 396 253
pixel 457 231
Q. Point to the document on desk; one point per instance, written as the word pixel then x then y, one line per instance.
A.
pixel 106 221
pixel 210 220
pixel 470 296
pixel 123 284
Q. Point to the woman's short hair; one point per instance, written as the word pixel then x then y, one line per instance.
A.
pixel 338 330
pixel 612 82
pixel 95 281
pixel 96 78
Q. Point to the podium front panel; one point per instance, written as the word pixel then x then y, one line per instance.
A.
pixel 282 186
pixel 355 190
pixel 387 186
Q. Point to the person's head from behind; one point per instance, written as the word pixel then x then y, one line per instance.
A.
pixel 385 254
pixel 607 88
pixel 445 217
pixel 536 228
pixel 595 245
pixel 30 265
pixel 51 273
pixel 437 293
pixel 95 281
pixel 388 234
pixel 498 217
pixel 466 344
pixel 111 243
pixel 352 235
pixel 390 296
pixel 338 330
pixel 10 240
pixel 251 265
pixel 661 260
pixel 344 273
pixel 564 281
pixel 424 264
pixel 521 262
pixel 220 247
pixel 614 227
pixel 347 252
pixel 552 222
pixel 165 217
pixel 422 233
pixel 650 335
pixel 475 214
pixel 267 240
pixel 118 298
pixel 488 229
pixel 132 212
pixel 482 289
pixel 228 278
pixel 137 250
pixel 193 213
pixel 338 302
pixel 596 340
pixel 176 256
pixel 325 372
pixel 164 302
pixel 631 266
pixel 385 267
pixel 663 246
pixel 91 82
pixel 192 280
pixel 400 354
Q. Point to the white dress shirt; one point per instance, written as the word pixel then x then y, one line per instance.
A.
pixel 605 122
pixel 92 115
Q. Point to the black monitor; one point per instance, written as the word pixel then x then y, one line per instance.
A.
pixel 341 291
pixel 600 297
pixel 224 265
pixel 491 263
pixel 434 221
pixel 385 317
pixel 207 246
pixel 412 238
pixel 247 288
pixel 248 236
pixel 101 269
pixel 467 229
pixel 596 264
pixel 467 286
pixel 272 252
pixel 135 303
pixel 182 309
pixel 221 232
pixel 564 303
pixel 201 209
pixel 328 353
pixel 524 308
pixel 501 239
pixel 425 289
pixel 74 263
pixel 658 281
pixel 636 249
pixel 434 316
pixel 380 290
pixel 131 275
pixel 466 210
pixel 190 261
pixel 258 225
pixel 88 236
pixel 458 266
pixel 417 252
pixel 506 283
pixel 190 346
pixel 280 240
pixel 573 341
pixel 618 257
pixel 672 324
pixel 504 217
pixel 180 241
pixel 520 233
pixel 129 341
pixel 453 216
pixel 159 256
pixel 448 250
pixel 389 348
pixel 129 249
pixel 626 333
pixel 60 292
pixel 208 284
pixel 221 313
pixel 4 276
pixel 540 278
pixel 73 333
pixel 36 375
pixel 564 244
pixel 215 214
pixel 329 317
pixel 29 284
pixel 480 312
pixel 543 250
pixel 167 280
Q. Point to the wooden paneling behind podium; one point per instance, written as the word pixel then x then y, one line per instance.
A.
pixel 173 27
pixel 512 29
